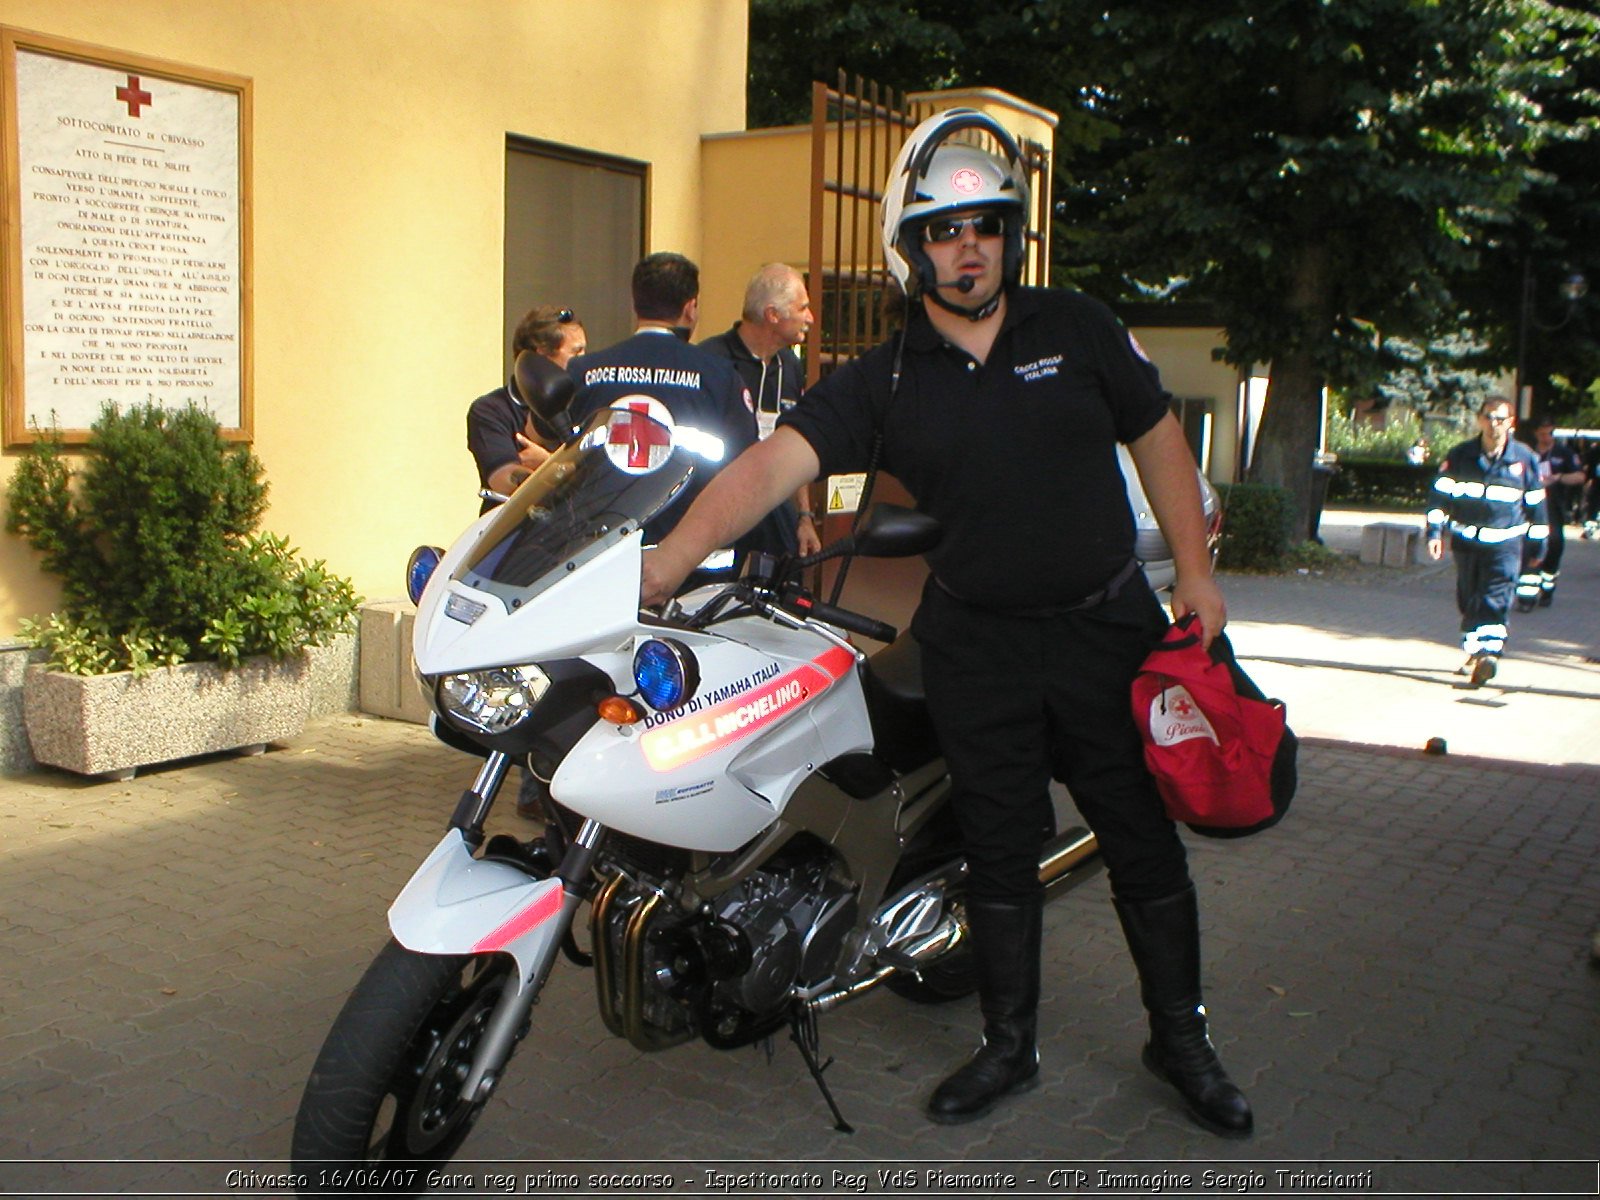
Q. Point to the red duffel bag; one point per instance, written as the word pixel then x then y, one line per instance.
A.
pixel 1222 754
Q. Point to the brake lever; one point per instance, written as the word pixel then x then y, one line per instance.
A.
pixel 773 612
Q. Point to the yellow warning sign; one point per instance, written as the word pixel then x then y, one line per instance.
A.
pixel 844 492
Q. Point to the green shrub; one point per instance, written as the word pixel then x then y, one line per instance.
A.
pixel 1256 519
pixel 1349 437
pixel 157 550
pixel 1365 482
pixel 1314 556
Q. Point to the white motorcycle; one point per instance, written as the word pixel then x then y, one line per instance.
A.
pixel 750 808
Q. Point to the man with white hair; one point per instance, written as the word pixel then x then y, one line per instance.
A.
pixel 777 316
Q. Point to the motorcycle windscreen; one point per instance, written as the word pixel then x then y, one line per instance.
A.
pixel 604 484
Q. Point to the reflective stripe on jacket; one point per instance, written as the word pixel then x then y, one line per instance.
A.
pixel 1489 501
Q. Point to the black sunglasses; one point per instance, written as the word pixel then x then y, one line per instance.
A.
pixel 564 317
pixel 948 229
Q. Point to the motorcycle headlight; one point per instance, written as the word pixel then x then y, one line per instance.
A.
pixel 493 701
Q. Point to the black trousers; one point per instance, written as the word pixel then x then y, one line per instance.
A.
pixel 1556 544
pixel 1018 701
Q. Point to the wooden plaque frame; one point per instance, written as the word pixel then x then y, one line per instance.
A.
pixel 126 255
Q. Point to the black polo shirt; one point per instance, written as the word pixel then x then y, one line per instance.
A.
pixel 493 422
pixel 775 386
pixel 1016 457
pixel 699 389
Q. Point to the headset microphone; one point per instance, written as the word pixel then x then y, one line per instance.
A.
pixel 963 285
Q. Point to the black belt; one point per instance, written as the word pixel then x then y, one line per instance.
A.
pixel 1092 600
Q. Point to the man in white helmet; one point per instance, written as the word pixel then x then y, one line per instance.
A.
pixel 1003 424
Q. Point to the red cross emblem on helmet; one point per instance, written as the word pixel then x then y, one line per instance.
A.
pixel 967 181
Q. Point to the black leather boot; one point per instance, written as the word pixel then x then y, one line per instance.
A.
pixel 1164 936
pixel 1005 947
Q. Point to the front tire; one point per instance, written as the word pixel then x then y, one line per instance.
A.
pixel 385 1088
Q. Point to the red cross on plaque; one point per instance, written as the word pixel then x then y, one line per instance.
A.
pixel 134 96
pixel 640 433
pixel 1182 707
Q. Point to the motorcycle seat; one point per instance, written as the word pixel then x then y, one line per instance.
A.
pixel 896 670
pixel 897 706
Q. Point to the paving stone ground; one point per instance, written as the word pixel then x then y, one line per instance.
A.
pixel 1399 974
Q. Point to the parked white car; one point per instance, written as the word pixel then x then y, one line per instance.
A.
pixel 1149 546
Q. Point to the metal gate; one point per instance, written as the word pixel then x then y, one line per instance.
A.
pixel 857 127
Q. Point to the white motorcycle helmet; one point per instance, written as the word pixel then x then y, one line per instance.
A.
pixel 930 177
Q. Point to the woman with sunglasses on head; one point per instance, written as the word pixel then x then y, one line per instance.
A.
pixel 508 445
pixel 503 435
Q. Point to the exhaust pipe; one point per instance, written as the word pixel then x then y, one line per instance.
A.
pixel 1067 860
pixel 946 937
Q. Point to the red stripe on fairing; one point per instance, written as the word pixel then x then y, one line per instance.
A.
pixel 693 737
pixel 836 662
pixel 541 910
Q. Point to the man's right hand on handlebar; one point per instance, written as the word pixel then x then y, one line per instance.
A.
pixel 659 577
pixel 748 487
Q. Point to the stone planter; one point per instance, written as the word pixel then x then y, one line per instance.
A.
pixel 110 725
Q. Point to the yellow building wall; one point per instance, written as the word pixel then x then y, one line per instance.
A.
pixel 378 201
pixel 1183 356
pixel 757 210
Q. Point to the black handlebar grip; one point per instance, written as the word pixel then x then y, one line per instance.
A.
pixel 879 631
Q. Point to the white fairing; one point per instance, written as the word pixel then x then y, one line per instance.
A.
pixel 554 574
pixel 772 706
pixel 588 607
pixel 456 904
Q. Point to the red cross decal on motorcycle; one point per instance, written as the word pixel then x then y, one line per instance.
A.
pixel 134 96
pixel 638 442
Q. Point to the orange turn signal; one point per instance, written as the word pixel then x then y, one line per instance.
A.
pixel 619 710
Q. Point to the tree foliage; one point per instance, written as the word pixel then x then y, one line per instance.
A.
pixel 1438 378
pixel 1323 174
pixel 907 45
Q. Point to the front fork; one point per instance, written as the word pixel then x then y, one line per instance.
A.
pixel 512 1009
pixel 473 807
pixel 458 904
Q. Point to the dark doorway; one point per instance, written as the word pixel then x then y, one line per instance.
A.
pixel 575 224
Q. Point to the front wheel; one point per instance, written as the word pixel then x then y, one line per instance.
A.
pixel 386 1087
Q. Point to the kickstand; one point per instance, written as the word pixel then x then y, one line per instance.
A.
pixel 803 1033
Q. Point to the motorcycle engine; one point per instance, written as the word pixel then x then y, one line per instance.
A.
pixel 793 922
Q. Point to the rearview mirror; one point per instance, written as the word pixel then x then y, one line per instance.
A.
pixel 894 531
pixel 546 390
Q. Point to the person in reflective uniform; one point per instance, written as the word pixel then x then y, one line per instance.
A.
pixel 1561 471
pixel 1489 494
pixel 1000 409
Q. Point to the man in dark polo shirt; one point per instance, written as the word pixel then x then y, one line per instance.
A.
pixel 1036 618
pixel 776 316
pixel 711 408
